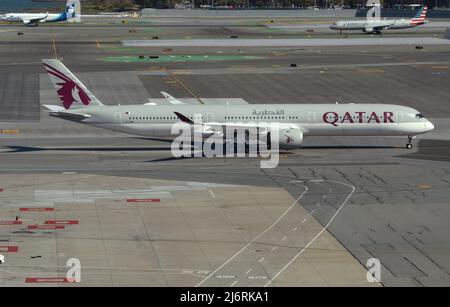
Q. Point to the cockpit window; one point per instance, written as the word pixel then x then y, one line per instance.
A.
pixel 418 115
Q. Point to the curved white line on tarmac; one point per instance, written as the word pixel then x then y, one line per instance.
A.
pixel 256 238
pixel 318 235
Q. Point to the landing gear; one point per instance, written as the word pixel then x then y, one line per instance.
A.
pixel 409 145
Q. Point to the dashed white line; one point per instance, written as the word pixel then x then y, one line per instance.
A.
pixel 318 204
pixel 248 271
pixel 320 232
pixel 212 194
pixel 325 196
pixel 304 220
pixel 256 238
pixel 233 283
pixel 295 228
pixel 285 237
pixel 273 249
pixel 312 211
pixel 261 260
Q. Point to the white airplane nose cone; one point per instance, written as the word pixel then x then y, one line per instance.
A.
pixel 429 126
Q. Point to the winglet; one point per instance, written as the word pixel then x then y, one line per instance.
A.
pixel 183 118
pixel 171 99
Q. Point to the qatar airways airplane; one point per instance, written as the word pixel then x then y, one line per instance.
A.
pixel 295 121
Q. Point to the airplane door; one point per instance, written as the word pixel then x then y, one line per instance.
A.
pixel 118 118
pixel 311 117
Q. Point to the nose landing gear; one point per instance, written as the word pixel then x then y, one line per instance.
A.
pixel 409 145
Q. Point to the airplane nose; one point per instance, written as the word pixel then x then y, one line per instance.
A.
pixel 429 126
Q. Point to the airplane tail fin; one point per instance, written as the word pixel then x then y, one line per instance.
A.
pixel 73 11
pixel 71 92
pixel 419 18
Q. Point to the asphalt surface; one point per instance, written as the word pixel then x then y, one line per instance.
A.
pixel 361 197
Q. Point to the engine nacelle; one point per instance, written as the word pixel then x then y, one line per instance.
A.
pixel 368 30
pixel 290 138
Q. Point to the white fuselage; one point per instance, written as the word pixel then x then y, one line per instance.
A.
pixel 374 25
pixel 310 119
pixel 21 17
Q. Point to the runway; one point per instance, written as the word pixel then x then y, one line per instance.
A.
pixel 135 215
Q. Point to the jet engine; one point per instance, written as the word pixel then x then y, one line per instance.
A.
pixel 290 138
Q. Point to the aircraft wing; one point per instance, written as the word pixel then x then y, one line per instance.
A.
pixel 210 128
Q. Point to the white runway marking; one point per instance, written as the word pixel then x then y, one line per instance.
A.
pixel 212 194
pixel 318 235
pixel 256 238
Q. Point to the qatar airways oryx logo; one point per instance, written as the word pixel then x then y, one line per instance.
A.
pixel 69 92
pixel 335 118
pixel 252 140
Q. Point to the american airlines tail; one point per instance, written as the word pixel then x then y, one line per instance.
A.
pixel 419 18
pixel 71 92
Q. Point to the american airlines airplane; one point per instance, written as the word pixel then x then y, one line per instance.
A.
pixel 295 121
pixel 71 14
pixel 376 25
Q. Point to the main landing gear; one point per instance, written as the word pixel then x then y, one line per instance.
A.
pixel 409 145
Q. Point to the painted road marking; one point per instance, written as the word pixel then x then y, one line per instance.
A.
pixel 261 260
pixel 54 48
pixel 273 248
pixel 143 200
pixel 248 271
pixel 255 239
pixel 62 222
pixel 2 223
pixel 233 283
pixel 46 227
pixel 37 209
pixel 295 229
pixel 304 220
pixel 9 249
pixel 320 232
pixel 284 239
pixel 47 280
pixel 212 194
